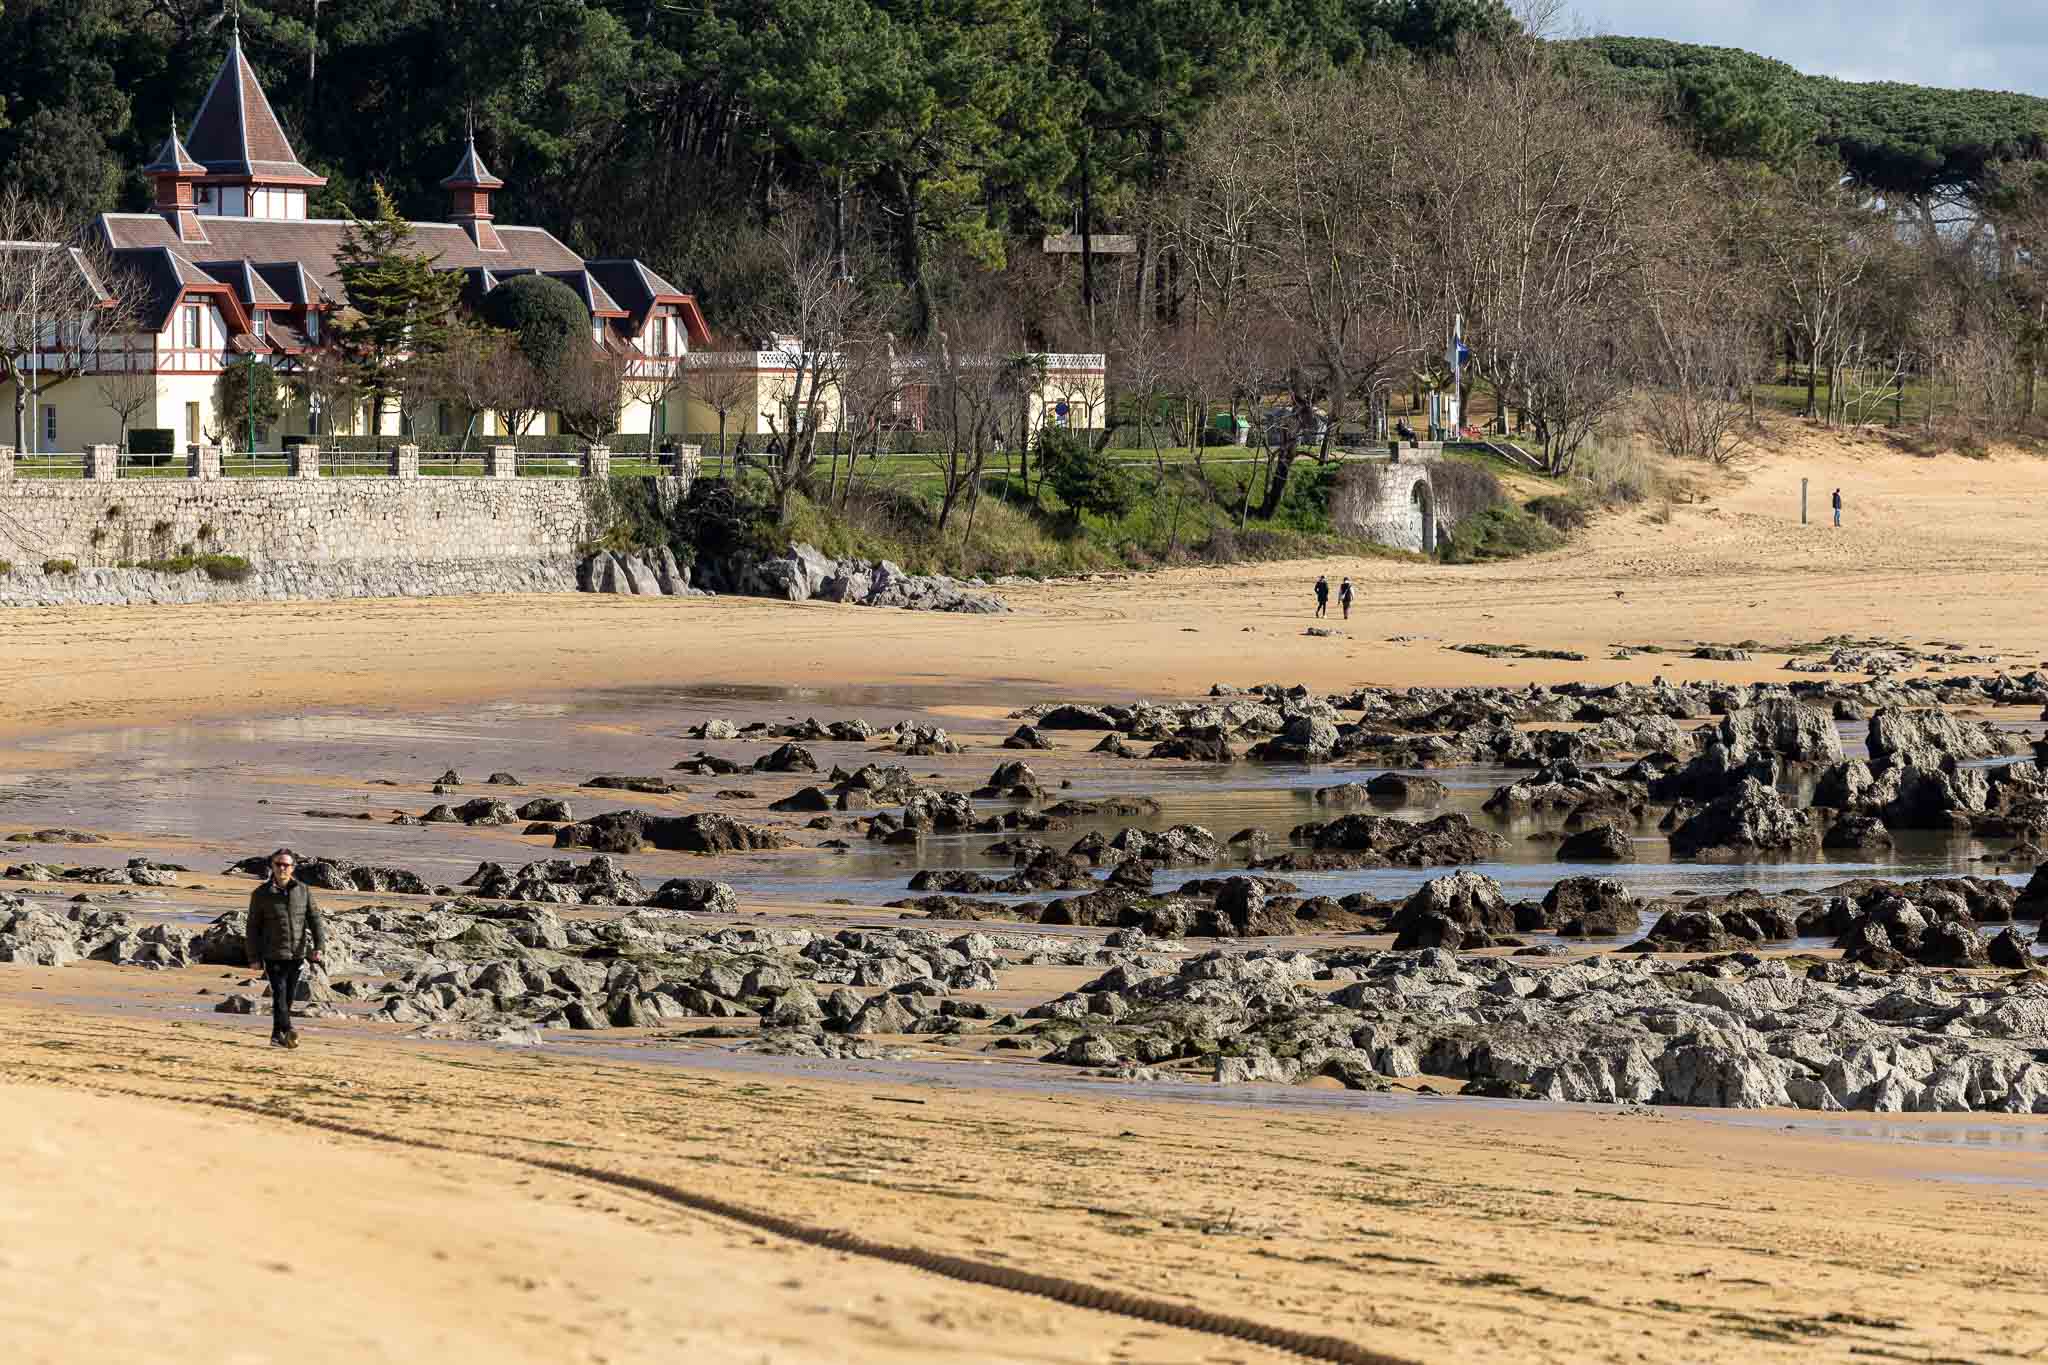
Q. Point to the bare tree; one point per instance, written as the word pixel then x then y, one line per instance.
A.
pixel 1533 203
pixel 811 321
pixel 327 385
pixel 1817 239
pixel 56 301
pixel 126 380
pixel 1702 318
pixel 1273 214
pixel 592 390
pixel 123 363
pixel 722 380
pixel 871 388
pixel 485 370
pixel 976 368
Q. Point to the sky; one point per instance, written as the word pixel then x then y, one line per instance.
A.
pixel 1993 44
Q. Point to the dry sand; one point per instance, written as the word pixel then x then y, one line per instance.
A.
pixel 136 1230
pixel 1934 549
pixel 132 1227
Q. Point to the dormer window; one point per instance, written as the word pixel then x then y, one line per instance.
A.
pixel 256 322
pixel 312 326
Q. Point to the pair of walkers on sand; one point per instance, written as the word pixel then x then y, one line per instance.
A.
pixel 285 934
pixel 1344 596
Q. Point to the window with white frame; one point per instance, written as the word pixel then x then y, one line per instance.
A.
pixel 49 427
pixel 192 327
pixel 256 321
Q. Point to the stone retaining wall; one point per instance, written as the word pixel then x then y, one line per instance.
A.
pixel 305 535
pixel 30 587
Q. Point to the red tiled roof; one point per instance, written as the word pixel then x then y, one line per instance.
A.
pixel 237 132
pixel 313 242
pixel 638 289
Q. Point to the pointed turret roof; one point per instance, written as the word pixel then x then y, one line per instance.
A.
pixel 172 158
pixel 470 173
pixel 237 132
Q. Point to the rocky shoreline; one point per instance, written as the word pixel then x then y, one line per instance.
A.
pixel 1864 993
pixel 799 574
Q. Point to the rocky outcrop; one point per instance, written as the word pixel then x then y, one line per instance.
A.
pixel 340 874
pixel 1462 910
pixel 560 881
pixel 1751 821
pixel 629 831
pixel 636 573
pixel 1592 907
pixel 803 574
pixel 1359 841
pixel 1602 843
pixel 1740 1033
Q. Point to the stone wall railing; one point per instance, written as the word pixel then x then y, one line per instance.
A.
pixel 105 463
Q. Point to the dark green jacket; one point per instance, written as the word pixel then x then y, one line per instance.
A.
pixel 284 924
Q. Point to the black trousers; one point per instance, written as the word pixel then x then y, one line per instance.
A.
pixel 284 984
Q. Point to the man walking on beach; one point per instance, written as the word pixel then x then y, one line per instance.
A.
pixel 1344 598
pixel 1322 596
pixel 1838 507
pixel 285 932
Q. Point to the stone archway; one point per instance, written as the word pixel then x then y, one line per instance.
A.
pixel 1424 502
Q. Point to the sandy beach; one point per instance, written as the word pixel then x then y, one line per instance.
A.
pixel 1418 1225
pixel 1946 549
pixel 1434 1231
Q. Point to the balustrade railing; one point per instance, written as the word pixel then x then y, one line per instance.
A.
pixel 203 461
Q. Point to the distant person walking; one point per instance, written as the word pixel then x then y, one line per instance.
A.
pixel 1344 598
pixel 1322 596
pixel 285 933
pixel 1838 507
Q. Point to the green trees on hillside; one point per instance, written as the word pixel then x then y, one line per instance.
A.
pixel 1902 140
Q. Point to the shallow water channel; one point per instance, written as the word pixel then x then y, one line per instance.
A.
pixel 238 787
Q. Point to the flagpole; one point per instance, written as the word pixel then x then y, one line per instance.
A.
pixel 1457 372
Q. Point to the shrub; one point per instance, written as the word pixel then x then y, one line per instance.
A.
pixel 220 568
pixel 1503 531
pixel 1462 490
pixel 53 567
pixel 543 314
pixel 225 568
pixel 6 567
pixel 1353 496
pixel 1083 477
pixel 1565 511
pixel 152 441
pixel 1615 471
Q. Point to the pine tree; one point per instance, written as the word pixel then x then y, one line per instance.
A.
pixel 399 306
